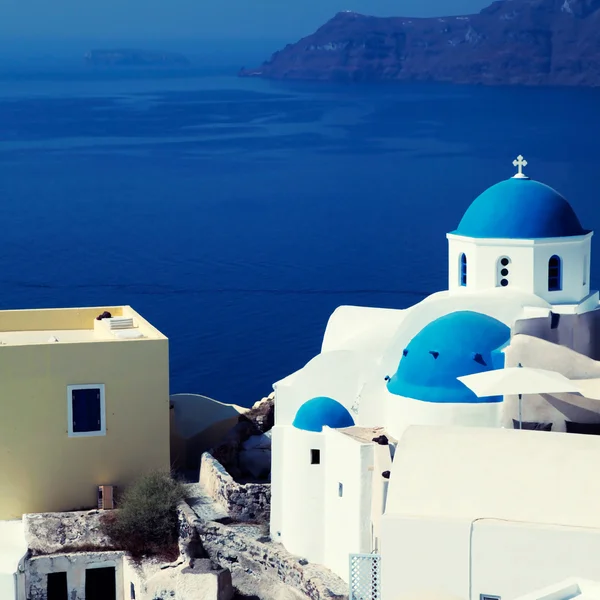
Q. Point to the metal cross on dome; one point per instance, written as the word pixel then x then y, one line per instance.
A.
pixel 520 162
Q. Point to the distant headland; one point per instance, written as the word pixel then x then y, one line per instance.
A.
pixel 134 58
pixel 517 42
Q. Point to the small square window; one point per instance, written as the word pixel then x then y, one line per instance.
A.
pixel 86 410
pixel 315 457
pixel 340 489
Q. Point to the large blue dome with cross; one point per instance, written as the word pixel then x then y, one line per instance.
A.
pixel 520 208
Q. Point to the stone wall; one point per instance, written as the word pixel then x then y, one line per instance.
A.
pixel 51 533
pixel 260 566
pixel 248 502
pixel 73 543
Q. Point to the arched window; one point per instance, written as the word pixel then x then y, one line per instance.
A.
pixel 554 274
pixel 502 271
pixel 463 269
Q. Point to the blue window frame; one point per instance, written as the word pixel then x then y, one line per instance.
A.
pixel 554 274
pixel 463 269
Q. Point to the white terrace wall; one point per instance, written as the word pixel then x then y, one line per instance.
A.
pixel 347 490
pixel 248 502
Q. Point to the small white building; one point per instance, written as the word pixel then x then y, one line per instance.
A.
pixel 489 513
pixel 518 281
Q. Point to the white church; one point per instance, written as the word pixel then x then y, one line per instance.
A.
pixel 477 488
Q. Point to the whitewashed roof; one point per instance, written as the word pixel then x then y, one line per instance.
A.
pixel 473 473
pixel 360 328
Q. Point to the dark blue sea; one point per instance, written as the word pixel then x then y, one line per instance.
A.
pixel 237 214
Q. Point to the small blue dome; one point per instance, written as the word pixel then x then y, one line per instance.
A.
pixel 322 411
pixel 520 209
pixel 457 344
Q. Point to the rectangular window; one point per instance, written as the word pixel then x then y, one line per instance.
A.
pixel 86 410
pixel 101 584
pixel 315 457
pixel 488 597
pixel 340 489
pixel 585 268
pixel 57 586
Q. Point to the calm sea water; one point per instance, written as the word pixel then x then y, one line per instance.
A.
pixel 236 215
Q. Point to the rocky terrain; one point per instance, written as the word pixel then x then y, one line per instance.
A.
pixel 245 452
pixel 524 42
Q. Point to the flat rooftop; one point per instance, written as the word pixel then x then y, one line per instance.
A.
pixel 74 325
pixel 366 434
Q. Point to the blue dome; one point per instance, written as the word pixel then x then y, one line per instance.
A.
pixel 457 344
pixel 520 209
pixel 322 411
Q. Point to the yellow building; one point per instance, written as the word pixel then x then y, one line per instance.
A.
pixel 83 402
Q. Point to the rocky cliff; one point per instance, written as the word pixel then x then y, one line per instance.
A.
pixel 527 42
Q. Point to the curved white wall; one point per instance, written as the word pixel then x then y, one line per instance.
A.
pixel 403 412
pixel 528 267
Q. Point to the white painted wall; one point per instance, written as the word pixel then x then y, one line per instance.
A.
pixel 372 400
pixel 361 328
pixel 471 473
pixel 421 557
pixel 338 375
pixel 13 548
pixel 575 254
pixel 75 565
pixel 482 258
pixel 510 559
pixel 347 517
pixel 277 480
pixel 7 586
pixel 403 412
pixel 301 493
pixel 535 486
pixel 528 268
pixel 464 558
pixel 382 461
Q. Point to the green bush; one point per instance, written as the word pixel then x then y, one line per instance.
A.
pixel 145 523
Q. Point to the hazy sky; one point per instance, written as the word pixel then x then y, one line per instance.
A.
pixel 214 19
